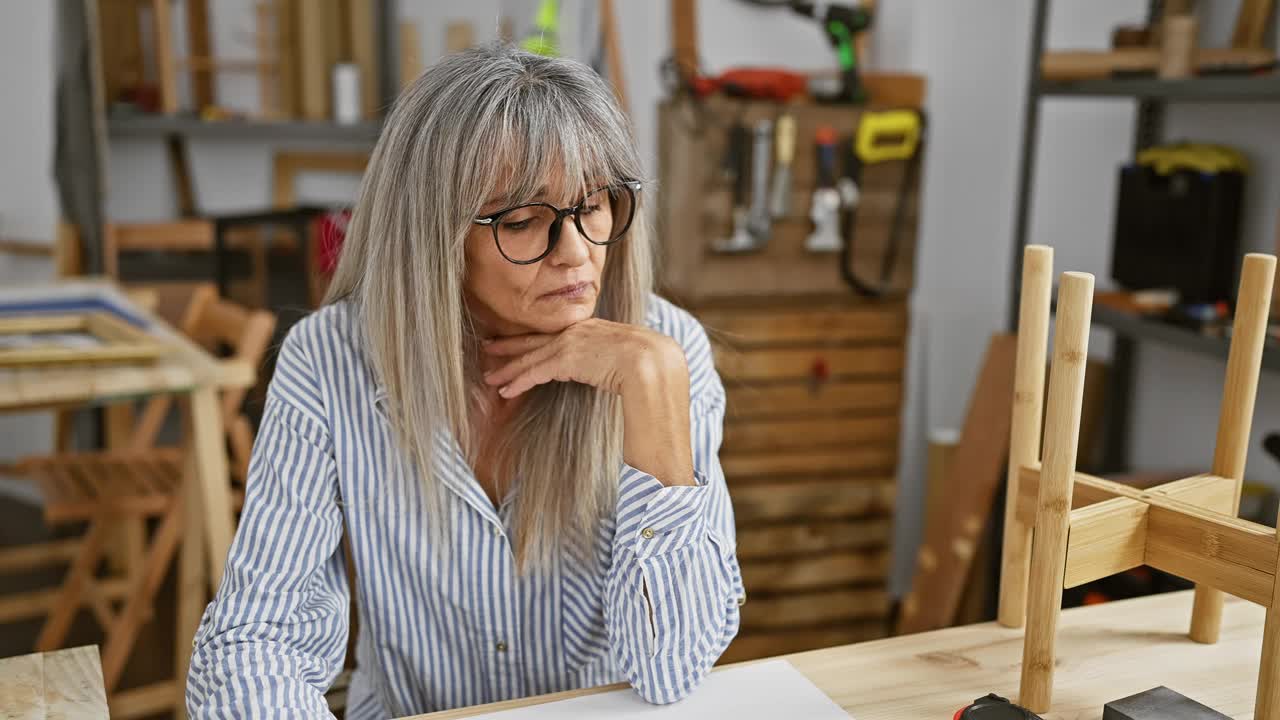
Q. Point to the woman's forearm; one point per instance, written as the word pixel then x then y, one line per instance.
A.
pixel 655 411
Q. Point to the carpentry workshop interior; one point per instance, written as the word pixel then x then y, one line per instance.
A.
pixel 327 390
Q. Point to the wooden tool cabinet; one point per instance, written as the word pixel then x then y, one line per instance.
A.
pixel 813 373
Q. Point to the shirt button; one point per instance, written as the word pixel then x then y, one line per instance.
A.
pixel 500 646
pixel 742 600
pixel 497 531
pixel 647 533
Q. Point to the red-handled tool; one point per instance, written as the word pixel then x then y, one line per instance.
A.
pixel 994 707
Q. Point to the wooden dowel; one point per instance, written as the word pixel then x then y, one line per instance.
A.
pixel 1024 434
pixel 1061 436
pixel 1244 363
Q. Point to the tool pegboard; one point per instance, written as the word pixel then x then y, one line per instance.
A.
pixel 697 201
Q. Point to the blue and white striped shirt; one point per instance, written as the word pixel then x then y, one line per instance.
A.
pixel 457 628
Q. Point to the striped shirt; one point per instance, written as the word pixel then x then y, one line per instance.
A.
pixel 654 602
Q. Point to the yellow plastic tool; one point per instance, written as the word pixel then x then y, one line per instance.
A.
pixel 887 135
pixel 1204 157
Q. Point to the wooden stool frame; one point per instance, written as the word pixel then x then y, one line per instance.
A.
pixel 1064 528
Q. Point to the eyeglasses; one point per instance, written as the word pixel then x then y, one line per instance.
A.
pixel 528 233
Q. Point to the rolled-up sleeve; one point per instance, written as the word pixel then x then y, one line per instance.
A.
pixel 274 637
pixel 674 588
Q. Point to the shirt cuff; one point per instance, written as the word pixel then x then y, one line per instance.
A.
pixel 655 519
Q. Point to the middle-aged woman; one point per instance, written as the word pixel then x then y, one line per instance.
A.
pixel 516 436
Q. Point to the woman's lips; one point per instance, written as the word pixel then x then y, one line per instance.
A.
pixel 570 292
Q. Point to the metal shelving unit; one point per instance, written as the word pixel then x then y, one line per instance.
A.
pixel 1152 95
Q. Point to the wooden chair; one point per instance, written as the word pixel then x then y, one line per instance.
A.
pixel 1064 528
pixel 134 484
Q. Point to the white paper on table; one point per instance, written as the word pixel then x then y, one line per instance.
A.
pixel 763 691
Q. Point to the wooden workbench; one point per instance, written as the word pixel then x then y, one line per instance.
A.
pixel 65 684
pixel 1105 652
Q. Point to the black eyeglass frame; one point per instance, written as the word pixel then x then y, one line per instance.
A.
pixel 553 232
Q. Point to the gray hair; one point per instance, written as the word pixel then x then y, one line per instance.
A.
pixel 490 117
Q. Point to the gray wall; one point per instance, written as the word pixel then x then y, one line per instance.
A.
pixel 974 54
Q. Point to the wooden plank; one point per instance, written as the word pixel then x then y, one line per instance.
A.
pixel 459 35
pixel 814 608
pixel 164 57
pixel 1068 65
pixel 756 540
pixel 26 557
pixel 753 645
pixel 287 76
pixel 869 458
pixel 410 53
pixel 198 46
pixel 833 569
pixel 805 434
pixel 177 235
pixel 1251 23
pixel 1206 491
pixel 209 444
pixel 684 35
pixel 360 24
pixel 790 364
pixel 313 73
pixel 1212 549
pixel 805 400
pixel 1105 538
pixel 763 326
pixel 973 475
pixel 61 684
pixel 813 499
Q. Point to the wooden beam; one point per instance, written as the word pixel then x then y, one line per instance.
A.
pixel 1207 491
pixel 1214 550
pixel 1251 23
pixel 1105 538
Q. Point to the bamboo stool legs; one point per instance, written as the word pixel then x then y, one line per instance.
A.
pixel 1024 432
pixel 1187 527
pixel 1240 389
pixel 1062 430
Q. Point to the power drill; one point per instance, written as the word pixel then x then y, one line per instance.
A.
pixel 841 23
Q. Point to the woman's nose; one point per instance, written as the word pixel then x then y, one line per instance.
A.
pixel 571 248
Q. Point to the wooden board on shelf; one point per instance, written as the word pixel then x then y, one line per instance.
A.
pixel 1071 65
